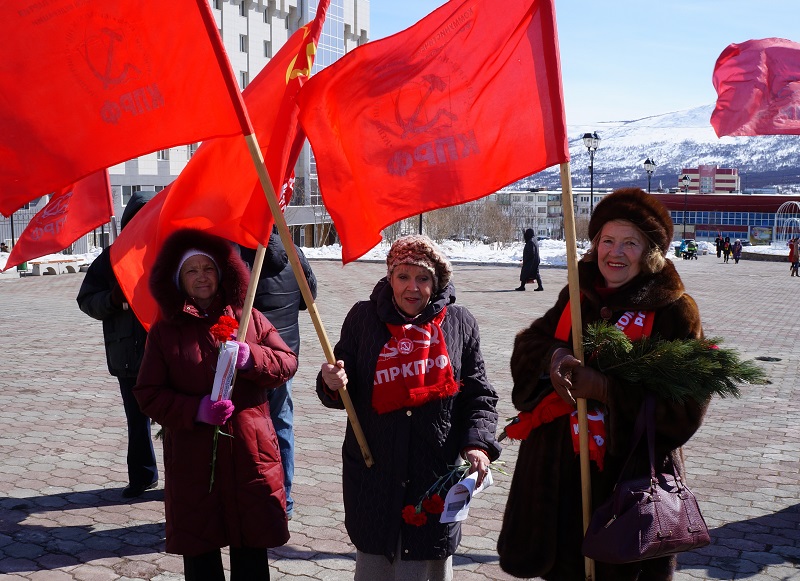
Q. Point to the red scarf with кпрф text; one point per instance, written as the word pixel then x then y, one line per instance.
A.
pixel 635 325
pixel 413 367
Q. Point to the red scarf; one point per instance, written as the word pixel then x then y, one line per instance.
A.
pixel 413 367
pixel 635 325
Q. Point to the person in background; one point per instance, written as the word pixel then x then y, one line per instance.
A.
pixel 4 247
pixel 625 272
pixel 737 250
pixel 530 262
pixel 718 243
pixel 418 424
pixel 278 297
pixel 200 284
pixel 794 256
pixel 101 297
pixel 726 249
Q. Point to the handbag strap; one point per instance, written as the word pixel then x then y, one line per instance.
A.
pixel 646 423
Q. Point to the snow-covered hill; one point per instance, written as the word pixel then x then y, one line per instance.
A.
pixel 674 141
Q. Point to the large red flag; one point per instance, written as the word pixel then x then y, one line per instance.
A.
pixel 459 105
pixel 219 191
pixel 758 88
pixel 71 212
pixel 87 84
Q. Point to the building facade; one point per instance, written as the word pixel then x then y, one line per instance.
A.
pixel 711 179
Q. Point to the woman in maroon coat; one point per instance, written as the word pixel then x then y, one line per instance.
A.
pixel 196 279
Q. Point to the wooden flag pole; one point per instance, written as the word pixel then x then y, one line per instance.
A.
pixel 577 347
pixel 288 243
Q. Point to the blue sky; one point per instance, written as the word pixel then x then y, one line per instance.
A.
pixel 626 60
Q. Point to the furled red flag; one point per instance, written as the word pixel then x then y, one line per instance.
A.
pixel 459 105
pixel 758 88
pixel 219 191
pixel 85 85
pixel 71 212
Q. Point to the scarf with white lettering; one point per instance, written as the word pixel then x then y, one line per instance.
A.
pixel 413 367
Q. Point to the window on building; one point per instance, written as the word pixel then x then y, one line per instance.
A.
pixel 529 198
pixel 127 192
pixel 162 155
pixel 541 199
pixel 243 8
pixel 541 210
pixel 268 49
pixel 244 79
pixel 191 149
pixel 243 44
pixel 218 4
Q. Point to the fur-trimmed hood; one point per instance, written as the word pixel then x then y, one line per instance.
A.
pixel 234 274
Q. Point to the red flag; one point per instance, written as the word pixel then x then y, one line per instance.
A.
pixel 459 105
pixel 71 212
pixel 758 88
pixel 88 84
pixel 219 191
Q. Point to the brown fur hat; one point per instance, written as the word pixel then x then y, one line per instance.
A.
pixel 419 250
pixel 638 207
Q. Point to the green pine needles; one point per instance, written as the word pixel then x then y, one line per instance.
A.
pixel 676 370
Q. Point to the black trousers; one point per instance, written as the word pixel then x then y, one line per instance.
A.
pixel 142 469
pixel 246 565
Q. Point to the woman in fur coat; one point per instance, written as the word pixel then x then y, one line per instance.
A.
pixel 196 279
pixel 625 272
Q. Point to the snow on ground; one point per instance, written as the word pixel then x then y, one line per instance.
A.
pixel 552 252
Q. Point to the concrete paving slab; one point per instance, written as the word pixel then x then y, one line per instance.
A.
pixel 62 443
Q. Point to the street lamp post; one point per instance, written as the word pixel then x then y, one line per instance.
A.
pixel 592 142
pixel 685 181
pixel 649 167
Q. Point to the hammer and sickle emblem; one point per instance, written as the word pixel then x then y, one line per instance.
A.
pixel 411 125
pixel 107 43
pixel 292 72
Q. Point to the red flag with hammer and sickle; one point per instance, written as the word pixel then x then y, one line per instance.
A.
pixel 85 85
pixel 464 102
pixel 71 212
pixel 218 191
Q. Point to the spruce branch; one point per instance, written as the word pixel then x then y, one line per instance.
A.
pixel 679 369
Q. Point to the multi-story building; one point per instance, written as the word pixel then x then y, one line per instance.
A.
pixel 252 31
pixel 711 179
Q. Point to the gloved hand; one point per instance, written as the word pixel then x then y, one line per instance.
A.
pixel 244 360
pixel 589 383
pixel 215 413
pixel 571 380
pixel 117 296
pixel 561 365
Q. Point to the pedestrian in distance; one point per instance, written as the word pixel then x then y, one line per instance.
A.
pixel 718 243
pixel 737 250
pixel 4 247
pixel 624 273
pixel 530 262
pixel 200 283
pixel 417 424
pixel 278 297
pixel 794 256
pixel 101 297
pixel 726 249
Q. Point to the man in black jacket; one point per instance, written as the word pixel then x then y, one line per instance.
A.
pixel 101 297
pixel 278 297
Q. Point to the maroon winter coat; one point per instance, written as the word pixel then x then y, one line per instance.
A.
pixel 245 508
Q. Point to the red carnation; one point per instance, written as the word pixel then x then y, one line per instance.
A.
pixel 224 328
pixel 433 505
pixel 412 517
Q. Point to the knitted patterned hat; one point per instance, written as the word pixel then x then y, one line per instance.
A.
pixel 638 207
pixel 419 250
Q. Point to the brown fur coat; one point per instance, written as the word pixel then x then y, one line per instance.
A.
pixel 541 534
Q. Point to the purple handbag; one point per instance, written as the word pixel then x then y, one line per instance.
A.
pixel 646 517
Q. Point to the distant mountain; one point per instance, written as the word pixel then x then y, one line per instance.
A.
pixel 674 141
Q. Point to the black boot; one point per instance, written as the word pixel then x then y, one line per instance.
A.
pixel 539 288
pixel 521 287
